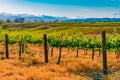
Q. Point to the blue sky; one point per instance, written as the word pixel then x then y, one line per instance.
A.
pixel 68 8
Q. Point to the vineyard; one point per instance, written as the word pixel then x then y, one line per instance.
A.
pixel 73 41
pixel 72 54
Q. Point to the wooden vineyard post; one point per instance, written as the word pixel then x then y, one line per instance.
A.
pixel 93 50
pixel 118 54
pixel 23 48
pixel 77 52
pixel 105 70
pixel 93 53
pixel 20 50
pixel 60 53
pixel 45 48
pixel 6 46
pixel 99 53
pixel 52 51
pixel 68 50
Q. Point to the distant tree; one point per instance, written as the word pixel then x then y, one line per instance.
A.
pixel 0 23
pixel 21 20
pixel 5 27
pixel 8 20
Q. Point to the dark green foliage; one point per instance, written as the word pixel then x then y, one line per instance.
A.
pixel 5 27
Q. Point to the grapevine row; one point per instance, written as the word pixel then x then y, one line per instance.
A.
pixel 77 40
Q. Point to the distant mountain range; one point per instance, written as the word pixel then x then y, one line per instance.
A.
pixel 32 18
pixel 27 17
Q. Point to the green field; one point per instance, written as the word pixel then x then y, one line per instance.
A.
pixel 65 28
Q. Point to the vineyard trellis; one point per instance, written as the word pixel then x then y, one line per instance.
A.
pixel 71 41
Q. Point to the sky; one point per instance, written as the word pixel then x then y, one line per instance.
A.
pixel 66 8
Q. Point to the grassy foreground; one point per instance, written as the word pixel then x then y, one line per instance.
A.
pixel 31 65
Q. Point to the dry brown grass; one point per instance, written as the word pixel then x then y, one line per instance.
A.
pixel 31 65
